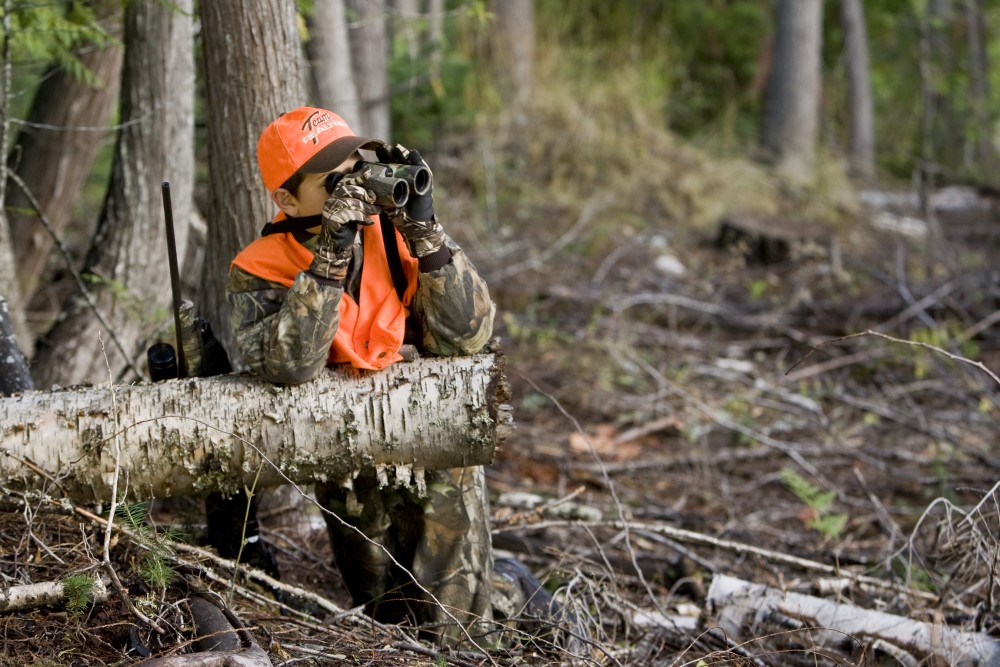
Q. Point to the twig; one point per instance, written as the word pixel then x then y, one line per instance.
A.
pixel 861 357
pixel 914 343
pixel 619 505
pixel 729 545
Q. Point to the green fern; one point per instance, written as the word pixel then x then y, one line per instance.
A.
pixel 52 32
pixel 831 525
pixel 811 495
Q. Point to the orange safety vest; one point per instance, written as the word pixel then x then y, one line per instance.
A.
pixel 370 334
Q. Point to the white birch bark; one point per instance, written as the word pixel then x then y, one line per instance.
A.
pixel 742 609
pixel 46 593
pixel 192 436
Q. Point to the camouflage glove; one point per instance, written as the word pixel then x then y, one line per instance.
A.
pixel 345 210
pixel 416 220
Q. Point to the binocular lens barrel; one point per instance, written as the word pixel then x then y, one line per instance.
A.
pixel 400 193
pixel 420 180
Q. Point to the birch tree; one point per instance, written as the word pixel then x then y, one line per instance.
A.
pixel 193 436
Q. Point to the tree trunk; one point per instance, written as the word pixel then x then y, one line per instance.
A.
pixel 861 149
pixel 10 290
pixel 184 437
pixel 249 81
pixel 330 61
pixel 370 48
pixel 435 39
pixel 128 250
pixel 979 91
pixel 790 119
pixel 56 149
pixel 514 48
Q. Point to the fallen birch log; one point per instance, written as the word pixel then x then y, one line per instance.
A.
pixel 745 610
pixel 192 436
pixel 44 594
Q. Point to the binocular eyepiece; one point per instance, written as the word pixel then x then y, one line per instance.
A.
pixel 391 184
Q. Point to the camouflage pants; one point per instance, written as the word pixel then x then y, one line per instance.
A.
pixel 441 538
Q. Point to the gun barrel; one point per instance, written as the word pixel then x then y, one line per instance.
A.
pixel 175 281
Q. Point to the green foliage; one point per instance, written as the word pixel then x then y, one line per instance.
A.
pixel 78 591
pixel 821 502
pixel 440 89
pixel 44 32
pixel 698 59
pixel 154 569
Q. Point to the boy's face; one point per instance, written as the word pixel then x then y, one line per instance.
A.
pixel 312 194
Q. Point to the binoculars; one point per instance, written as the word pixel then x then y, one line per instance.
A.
pixel 391 184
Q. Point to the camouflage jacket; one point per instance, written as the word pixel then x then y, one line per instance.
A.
pixel 284 334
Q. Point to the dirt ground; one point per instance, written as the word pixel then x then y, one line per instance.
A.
pixel 825 424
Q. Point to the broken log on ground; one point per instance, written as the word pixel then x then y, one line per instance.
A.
pixel 745 610
pixel 196 435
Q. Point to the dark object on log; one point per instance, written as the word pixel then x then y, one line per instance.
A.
pixel 14 374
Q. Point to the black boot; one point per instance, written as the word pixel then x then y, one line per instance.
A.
pixel 225 531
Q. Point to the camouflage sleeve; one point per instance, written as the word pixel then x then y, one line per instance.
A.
pixel 284 334
pixel 454 308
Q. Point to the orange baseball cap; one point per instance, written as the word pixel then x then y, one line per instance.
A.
pixel 307 139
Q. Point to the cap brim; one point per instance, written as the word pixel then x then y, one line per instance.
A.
pixel 333 154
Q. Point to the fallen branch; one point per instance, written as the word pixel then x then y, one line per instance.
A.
pixel 692 537
pixel 745 610
pixel 45 594
pixel 185 437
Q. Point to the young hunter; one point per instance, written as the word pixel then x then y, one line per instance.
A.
pixel 337 280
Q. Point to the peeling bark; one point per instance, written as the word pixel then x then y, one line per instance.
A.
pixel 44 594
pixel 193 436
pixel 745 610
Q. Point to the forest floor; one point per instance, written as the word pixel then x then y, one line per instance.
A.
pixel 820 424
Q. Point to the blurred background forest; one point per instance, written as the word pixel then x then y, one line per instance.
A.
pixel 744 253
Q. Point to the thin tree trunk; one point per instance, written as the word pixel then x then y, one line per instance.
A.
pixel 435 38
pixel 128 250
pixel 58 144
pixel 861 149
pixel 790 120
pixel 514 46
pixel 249 81
pixel 979 90
pixel 330 61
pixel 370 48
pixel 191 436
pixel 10 288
